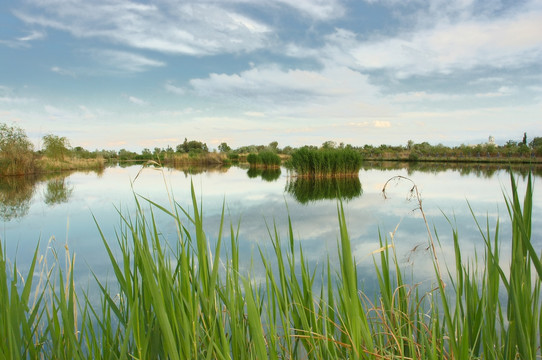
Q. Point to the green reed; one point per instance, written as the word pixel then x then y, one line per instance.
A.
pixel 265 159
pixel 182 300
pixel 326 162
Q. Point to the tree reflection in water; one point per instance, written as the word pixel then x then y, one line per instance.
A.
pixel 15 196
pixel 57 191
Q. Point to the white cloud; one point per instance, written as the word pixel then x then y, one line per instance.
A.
pixel 418 96
pixel 14 100
pixel 137 101
pixel 317 9
pixel 34 35
pixel 502 91
pixel 194 28
pixel 381 124
pixel 512 40
pixel 174 89
pixel 276 84
pixel 62 71
pixel 124 61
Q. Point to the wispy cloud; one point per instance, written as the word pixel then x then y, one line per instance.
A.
pixel 418 96
pixel 62 71
pixel 124 61
pixel 502 91
pixel 8 97
pixel 137 101
pixel 14 100
pixel 276 85
pixel 34 35
pixel 511 40
pixel 192 27
pixel 170 87
pixel 317 9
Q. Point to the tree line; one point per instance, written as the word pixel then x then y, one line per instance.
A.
pixel 18 156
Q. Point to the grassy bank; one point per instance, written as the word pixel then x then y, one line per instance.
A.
pixel 407 156
pixel 195 158
pixel 189 300
pixel 48 165
pixel 33 165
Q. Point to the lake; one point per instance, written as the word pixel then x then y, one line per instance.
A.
pixel 59 210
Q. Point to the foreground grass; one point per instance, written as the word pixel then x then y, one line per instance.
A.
pixel 183 302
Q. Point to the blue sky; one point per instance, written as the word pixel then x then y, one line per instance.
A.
pixel 133 74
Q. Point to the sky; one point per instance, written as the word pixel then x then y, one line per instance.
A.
pixel 112 74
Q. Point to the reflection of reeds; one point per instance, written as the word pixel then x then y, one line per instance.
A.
pixel 267 174
pixel 187 301
pixel 306 189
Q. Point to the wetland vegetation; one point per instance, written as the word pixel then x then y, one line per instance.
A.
pixel 192 297
pixel 184 301
pixel 18 157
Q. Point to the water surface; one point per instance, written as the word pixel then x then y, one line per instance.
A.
pixel 59 211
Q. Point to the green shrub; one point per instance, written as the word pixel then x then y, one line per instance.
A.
pixel 16 151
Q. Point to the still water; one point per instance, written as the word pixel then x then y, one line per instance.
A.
pixel 65 211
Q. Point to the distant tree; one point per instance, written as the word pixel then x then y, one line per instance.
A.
pixel 56 147
pixel 524 141
pixel 287 150
pixel 146 153
pixel 157 151
pixel 410 144
pixel 224 148
pixel 511 143
pixel 126 154
pixel 80 152
pixel 192 146
pixel 274 146
pixel 329 145
pixel 536 142
pixel 524 149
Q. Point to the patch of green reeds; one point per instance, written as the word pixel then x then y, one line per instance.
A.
pixel 326 162
pixel 264 159
pixel 184 299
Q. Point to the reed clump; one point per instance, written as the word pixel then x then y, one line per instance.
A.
pixel 326 162
pixel 266 159
pixel 189 300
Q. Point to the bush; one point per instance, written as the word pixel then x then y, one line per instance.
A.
pixel 16 151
